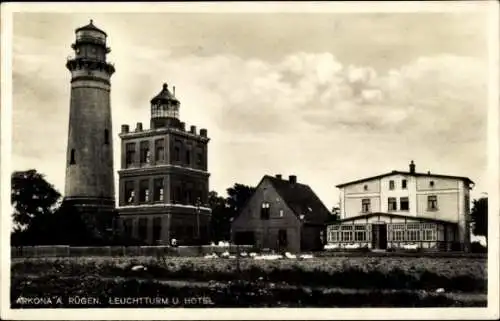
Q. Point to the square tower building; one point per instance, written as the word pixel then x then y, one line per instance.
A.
pixel 163 180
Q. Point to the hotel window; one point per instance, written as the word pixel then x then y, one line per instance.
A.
pixel 360 232
pixel 145 153
pixel 428 231
pixel 391 184
pixel 392 204
pixel 159 151
pixel 432 203
pixel 403 184
pixel 346 236
pixel 365 187
pixel 129 192
pixel 281 213
pixel 188 157
pixel 365 205
pixel 399 235
pixel 404 204
pixel 158 190
pixel 129 154
pixel 397 232
pixel 431 183
pixel 264 211
pixel 144 191
pixel 412 235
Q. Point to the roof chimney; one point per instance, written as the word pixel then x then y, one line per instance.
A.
pixel 278 176
pixel 292 179
pixel 174 90
pixel 138 127
pixel 412 167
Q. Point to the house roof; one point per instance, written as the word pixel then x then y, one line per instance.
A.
pixel 301 199
pixel 466 179
pixel 418 218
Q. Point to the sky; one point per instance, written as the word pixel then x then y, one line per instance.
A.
pixel 329 97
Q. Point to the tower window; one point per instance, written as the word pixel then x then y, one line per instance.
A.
pixel 130 154
pixel 158 190
pixel 129 192
pixel 177 152
pixel 144 191
pixel 106 137
pixel 72 157
pixel 159 150
pixel 145 153
pixel 156 229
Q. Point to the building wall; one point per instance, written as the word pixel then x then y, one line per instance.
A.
pixel 184 180
pixel 266 231
pixel 452 197
pixel 176 222
pixel 444 233
pixel 91 174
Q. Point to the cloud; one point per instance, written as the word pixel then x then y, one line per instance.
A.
pixel 307 113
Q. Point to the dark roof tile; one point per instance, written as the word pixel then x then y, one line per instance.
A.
pixel 301 199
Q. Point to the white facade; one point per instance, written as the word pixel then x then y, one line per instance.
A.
pixel 412 196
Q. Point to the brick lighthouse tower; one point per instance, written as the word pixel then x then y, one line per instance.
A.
pixel 89 186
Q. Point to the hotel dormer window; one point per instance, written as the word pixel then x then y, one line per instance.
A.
pixel 365 205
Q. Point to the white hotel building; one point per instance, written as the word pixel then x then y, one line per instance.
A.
pixel 404 209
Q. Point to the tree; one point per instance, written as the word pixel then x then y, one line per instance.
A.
pixel 224 210
pixel 238 196
pixel 31 196
pixel 479 216
pixel 40 220
pixel 220 217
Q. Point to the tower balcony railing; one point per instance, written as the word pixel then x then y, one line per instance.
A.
pixel 89 59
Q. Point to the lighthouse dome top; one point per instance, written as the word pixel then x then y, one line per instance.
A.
pixel 164 95
pixel 90 28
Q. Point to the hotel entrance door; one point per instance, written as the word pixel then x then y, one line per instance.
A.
pixel 379 236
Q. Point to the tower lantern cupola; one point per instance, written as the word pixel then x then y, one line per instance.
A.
pixel 165 109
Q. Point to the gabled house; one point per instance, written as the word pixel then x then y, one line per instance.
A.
pixel 402 209
pixel 282 215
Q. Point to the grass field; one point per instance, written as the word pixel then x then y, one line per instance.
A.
pixel 335 281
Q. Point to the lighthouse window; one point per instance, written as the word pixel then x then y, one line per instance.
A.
pixel 106 137
pixel 72 157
